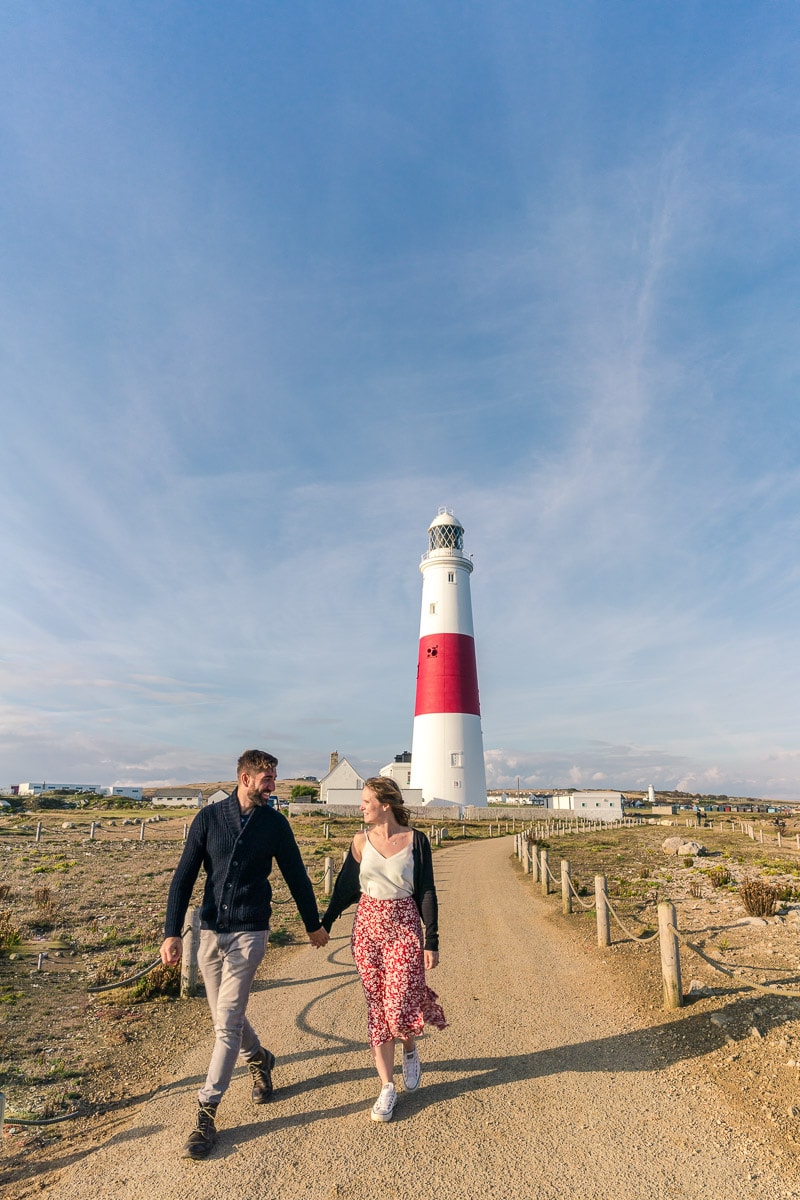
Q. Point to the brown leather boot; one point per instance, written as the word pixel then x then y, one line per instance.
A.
pixel 261 1070
pixel 201 1140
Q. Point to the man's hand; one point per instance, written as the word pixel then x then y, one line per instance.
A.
pixel 171 951
pixel 431 959
pixel 319 938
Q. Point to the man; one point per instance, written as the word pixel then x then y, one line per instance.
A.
pixel 236 841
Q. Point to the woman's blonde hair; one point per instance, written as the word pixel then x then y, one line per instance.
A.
pixel 388 792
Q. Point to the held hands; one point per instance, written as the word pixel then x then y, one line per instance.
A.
pixel 171 949
pixel 431 959
pixel 319 938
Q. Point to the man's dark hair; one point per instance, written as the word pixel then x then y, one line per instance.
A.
pixel 253 761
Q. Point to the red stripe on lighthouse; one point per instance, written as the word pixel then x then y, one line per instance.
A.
pixel 447 675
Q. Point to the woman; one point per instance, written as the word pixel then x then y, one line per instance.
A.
pixel 389 871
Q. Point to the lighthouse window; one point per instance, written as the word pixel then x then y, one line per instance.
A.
pixel 456 783
pixel 451 576
pixel 457 759
pixel 432 609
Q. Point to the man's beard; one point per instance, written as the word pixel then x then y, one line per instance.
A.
pixel 258 799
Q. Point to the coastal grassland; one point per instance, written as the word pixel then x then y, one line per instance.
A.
pixel 756 1062
pixel 93 909
pixel 639 874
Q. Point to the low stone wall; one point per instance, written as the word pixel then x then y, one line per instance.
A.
pixel 329 811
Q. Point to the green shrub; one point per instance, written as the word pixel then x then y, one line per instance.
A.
pixel 280 936
pixel 10 935
pixel 306 792
pixel 162 981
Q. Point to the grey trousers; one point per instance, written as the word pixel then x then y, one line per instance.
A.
pixel 228 963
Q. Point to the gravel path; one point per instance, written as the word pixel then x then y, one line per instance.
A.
pixel 543 1086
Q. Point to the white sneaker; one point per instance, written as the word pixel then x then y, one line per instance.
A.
pixel 411 1070
pixel 383 1108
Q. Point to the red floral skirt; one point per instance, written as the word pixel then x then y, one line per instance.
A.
pixel 387 948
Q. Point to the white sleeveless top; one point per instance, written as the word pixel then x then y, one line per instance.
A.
pixel 387 878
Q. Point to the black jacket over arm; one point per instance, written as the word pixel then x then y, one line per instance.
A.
pixel 347 890
pixel 237 896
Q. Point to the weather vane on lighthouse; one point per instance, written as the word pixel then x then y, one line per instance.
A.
pixel 447 744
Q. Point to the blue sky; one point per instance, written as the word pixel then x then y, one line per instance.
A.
pixel 279 280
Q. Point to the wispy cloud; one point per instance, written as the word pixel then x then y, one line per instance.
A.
pixel 248 356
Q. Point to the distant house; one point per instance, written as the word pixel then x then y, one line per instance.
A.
pixel 219 794
pixel 36 789
pixel 177 797
pixel 342 785
pixel 592 806
pixel 400 772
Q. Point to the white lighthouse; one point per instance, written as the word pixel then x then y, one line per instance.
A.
pixel 447 744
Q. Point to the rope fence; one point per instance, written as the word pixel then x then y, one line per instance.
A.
pixel 535 861
pixel 125 829
pixel 12 1120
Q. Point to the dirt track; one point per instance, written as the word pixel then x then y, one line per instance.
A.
pixel 543 1086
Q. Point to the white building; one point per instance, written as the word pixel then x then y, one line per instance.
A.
pixel 130 793
pixel 36 789
pixel 219 794
pixel 400 771
pixel 342 785
pixel 177 797
pixel 592 806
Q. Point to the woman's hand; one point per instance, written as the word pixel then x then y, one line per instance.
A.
pixel 431 959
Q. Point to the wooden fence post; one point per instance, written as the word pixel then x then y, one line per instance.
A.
pixel 38 831
pixel 566 892
pixel 545 873
pixel 191 945
pixel 91 831
pixel 185 830
pixel 601 904
pixel 2 1113
pixel 141 832
pixel 328 876
pixel 535 861
pixel 670 956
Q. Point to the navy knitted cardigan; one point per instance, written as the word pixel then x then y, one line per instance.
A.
pixel 237 896
pixel 347 889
